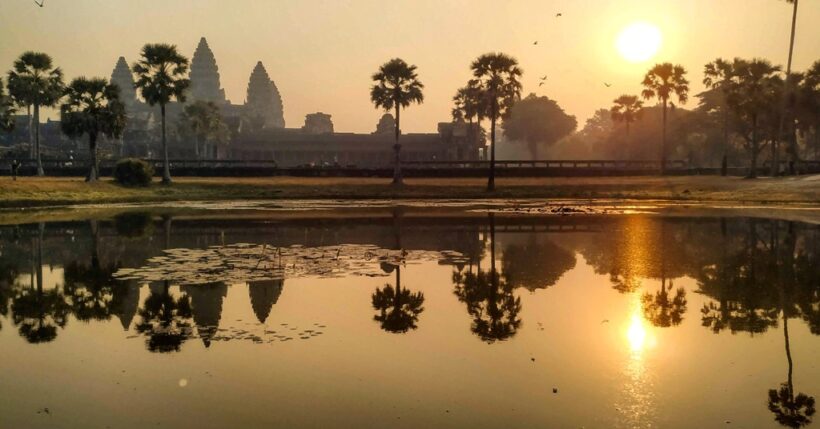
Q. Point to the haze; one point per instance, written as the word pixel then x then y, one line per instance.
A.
pixel 321 53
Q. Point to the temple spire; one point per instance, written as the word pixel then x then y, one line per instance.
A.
pixel 204 76
pixel 263 100
pixel 122 77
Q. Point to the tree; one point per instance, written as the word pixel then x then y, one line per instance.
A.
pixel 203 121
pixel 538 121
pixel 33 81
pixel 165 320
pixel 751 92
pixel 92 107
pixel 626 109
pixel 717 75
pixel 786 93
pixel 396 86
pixel 7 110
pixel 808 106
pixel 162 75
pixel 497 82
pixel 662 82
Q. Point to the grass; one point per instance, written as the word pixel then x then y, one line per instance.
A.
pixel 52 191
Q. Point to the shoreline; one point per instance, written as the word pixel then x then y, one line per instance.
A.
pixel 53 192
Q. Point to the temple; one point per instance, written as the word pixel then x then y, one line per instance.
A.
pixel 257 128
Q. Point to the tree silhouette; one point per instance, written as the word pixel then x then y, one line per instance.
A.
pixel 490 300
pixel 203 121
pixel 662 82
pixel 786 93
pixel 92 107
pixel 790 410
pixel 165 320
pixel 396 86
pixel 535 264
pixel 663 309
pixel 34 82
pixel 398 309
pixel 751 93
pixel 162 75
pixel 626 109
pixel 717 76
pixel 538 121
pixel 496 78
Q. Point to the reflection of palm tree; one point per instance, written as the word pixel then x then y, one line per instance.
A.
pixel 662 309
pixel 490 301
pixel 165 320
pixel 790 410
pixel 398 308
pixel 37 312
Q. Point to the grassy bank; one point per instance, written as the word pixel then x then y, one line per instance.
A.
pixel 51 191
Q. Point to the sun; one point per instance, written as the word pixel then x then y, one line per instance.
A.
pixel 639 42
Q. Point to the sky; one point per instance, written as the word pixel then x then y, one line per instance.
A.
pixel 322 53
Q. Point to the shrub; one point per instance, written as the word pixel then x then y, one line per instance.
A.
pixel 133 172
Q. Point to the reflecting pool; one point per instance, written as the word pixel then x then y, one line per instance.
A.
pixel 409 318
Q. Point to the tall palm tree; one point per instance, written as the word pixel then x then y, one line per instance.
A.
pixel 162 75
pixel 497 82
pixel 92 107
pixel 662 82
pixel 7 110
pixel 627 109
pixel 787 85
pixel 717 75
pixel 751 93
pixel 35 82
pixel 203 120
pixel 396 85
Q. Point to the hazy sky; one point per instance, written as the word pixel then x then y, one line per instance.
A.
pixel 321 53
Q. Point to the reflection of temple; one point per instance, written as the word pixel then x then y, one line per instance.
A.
pixel 206 303
pixel 264 294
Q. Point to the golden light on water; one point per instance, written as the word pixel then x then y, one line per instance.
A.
pixel 636 334
pixel 639 42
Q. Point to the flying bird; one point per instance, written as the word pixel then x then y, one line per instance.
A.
pixel 535 42
pixel 40 3
pixel 544 77
pixel 607 84
pixel 541 84
pixel 559 14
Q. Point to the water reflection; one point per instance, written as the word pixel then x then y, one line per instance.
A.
pixel 166 320
pixel 398 309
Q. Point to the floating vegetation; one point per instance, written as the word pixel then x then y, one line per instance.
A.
pixel 244 262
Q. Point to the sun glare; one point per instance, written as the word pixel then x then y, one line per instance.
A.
pixel 639 42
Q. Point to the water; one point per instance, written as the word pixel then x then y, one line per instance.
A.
pixel 409 318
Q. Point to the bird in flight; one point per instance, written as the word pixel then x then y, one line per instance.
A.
pixel 541 84
pixel 559 14
pixel 607 84
pixel 544 77
pixel 40 3
pixel 535 42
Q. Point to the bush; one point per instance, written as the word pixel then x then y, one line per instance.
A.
pixel 133 172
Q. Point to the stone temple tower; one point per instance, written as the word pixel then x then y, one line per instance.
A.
pixel 125 80
pixel 263 100
pixel 205 76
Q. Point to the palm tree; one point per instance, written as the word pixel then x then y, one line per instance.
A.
pixel 662 82
pixel 496 79
pixel 7 110
pixel 93 107
pixel 34 82
pixel 162 75
pixel 627 109
pixel 203 120
pixel 751 93
pixel 717 75
pixel 787 84
pixel 396 86
pixel 166 320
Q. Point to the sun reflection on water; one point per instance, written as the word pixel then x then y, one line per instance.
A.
pixel 636 405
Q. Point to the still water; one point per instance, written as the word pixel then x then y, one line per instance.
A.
pixel 409 319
